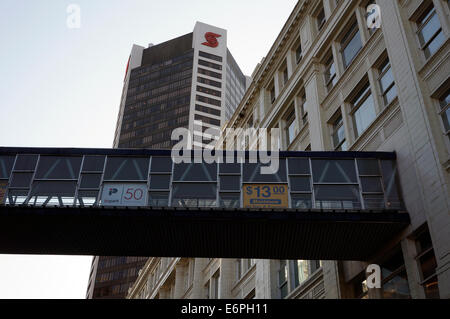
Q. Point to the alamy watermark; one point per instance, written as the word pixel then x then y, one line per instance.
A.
pixel 73 20
pixel 373 280
pixel 373 16
pixel 192 148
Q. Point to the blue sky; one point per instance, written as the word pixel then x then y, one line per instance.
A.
pixel 61 87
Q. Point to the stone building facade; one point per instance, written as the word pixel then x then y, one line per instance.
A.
pixel 331 83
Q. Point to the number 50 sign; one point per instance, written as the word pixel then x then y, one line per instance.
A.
pixel 124 195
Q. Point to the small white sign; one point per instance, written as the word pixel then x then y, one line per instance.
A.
pixel 124 195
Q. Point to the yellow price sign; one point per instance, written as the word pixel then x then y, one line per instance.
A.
pixel 266 196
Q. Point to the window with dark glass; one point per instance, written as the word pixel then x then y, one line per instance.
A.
pixel 371 183
pixel 230 200
pixel 272 93
pixel 126 169
pixel 87 198
pixel 427 265
pixel 205 90
pixel 300 183
pixel 210 56
pixel 21 180
pixel 25 162
pixel 351 44
pixel 299 272
pixel 158 199
pixel 363 110
pixel 444 103
pixel 303 111
pixel 207 120
pixel 335 184
pixel 93 163
pixel 285 74
pixel 290 126
pixel 209 82
pixel 90 181
pixel 210 73
pixel 298 52
pixel 338 134
pixel 387 84
pixel 252 173
pixel 207 100
pixel 210 64
pixel 394 283
pixel 321 19
pixel 194 195
pixel 57 167
pixel 330 73
pixel 430 33
pixel 208 110
pixel 391 185
pixel 283 279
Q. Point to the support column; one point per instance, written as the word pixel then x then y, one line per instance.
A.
pixel 313 93
pixel 180 279
pixel 227 278
pixel 197 288
pixel 431 189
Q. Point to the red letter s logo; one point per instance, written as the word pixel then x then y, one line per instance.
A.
pixel 211 39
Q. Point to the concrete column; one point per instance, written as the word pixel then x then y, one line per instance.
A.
pixel 197 288
pixel 290 62
pixel 412 270
pixel 277 82
pixel 331 279
pixel 180 280
pixel 432 187
pixel 312 90
pixel 227 278
pixel 283 139
pixel 328 7
pixel 262 104
pixel 263 287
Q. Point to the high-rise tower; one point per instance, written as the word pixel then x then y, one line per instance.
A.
pixel 191 81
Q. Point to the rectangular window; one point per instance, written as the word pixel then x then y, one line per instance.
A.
pixel 209 82
pixel 208 110
pixel 321 19
pixel 387 84
pixel 272 93
pixel 210 73
pixel 215 282
pixel 207 100
pixel 300 272
pixel 207 120
pixel 330 73
pixel 298 53
pixel 429 31
pixel 285 76
pixel 210 64
pixel 290 126
pixel 363 110
pixel 303 112
pixel 210 56
pixel 338 135
pixel 205 90
pixel 394 283
pixel 282 279
pixel 427 265
pixel 351 44
pixel 444 104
